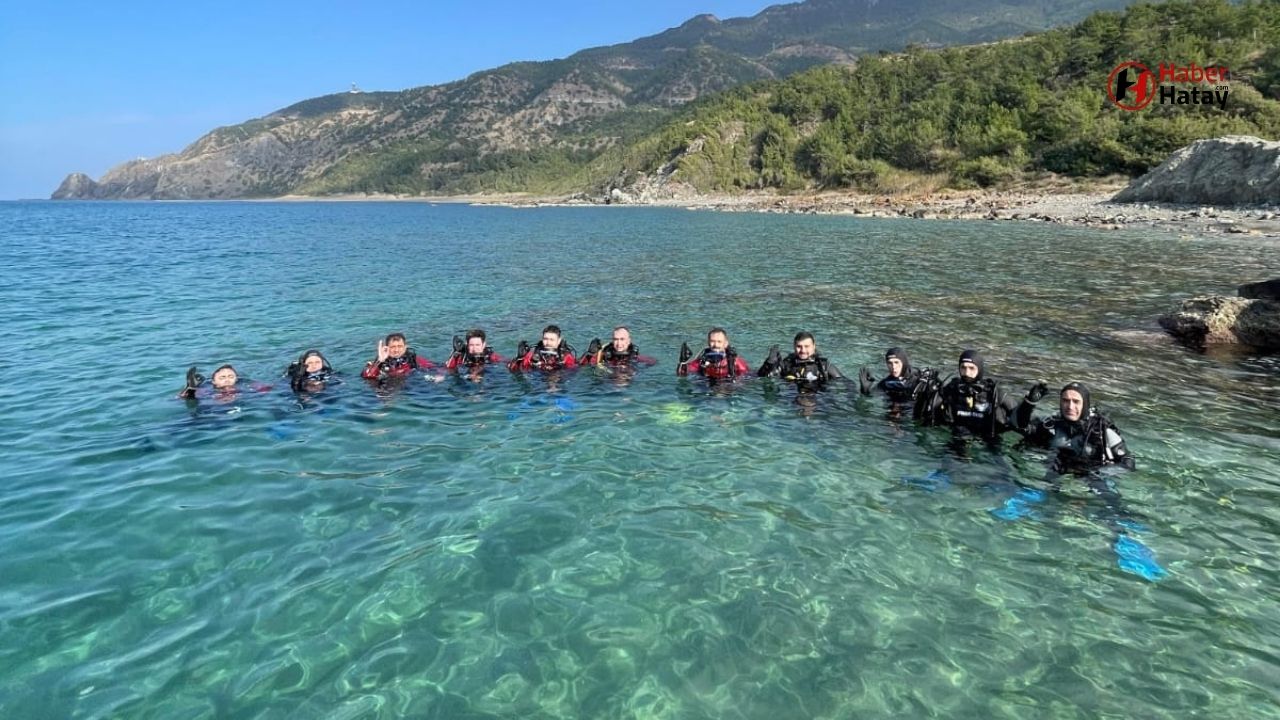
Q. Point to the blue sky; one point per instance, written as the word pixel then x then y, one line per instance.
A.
pixel 87 85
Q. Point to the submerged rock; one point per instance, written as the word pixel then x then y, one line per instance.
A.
pixel 1218 320
pixel 1231 170
pixel 1265 290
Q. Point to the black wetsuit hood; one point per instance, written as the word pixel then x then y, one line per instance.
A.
pixel 324 361
pixel 298 375
pixel 1087 409
pixel 974 357
pixel 897 352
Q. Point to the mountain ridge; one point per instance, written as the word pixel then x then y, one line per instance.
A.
pixel 484 131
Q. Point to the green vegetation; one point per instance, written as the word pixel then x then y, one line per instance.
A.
pixel 981 115
pixel 438 167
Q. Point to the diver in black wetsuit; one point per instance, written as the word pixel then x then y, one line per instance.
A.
pixel 903 381
pixel 973 404
pixel 1089 446
pixel 804 366
pixel 1082 437
pixel 310 373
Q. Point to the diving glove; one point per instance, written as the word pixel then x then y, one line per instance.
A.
pixel 685 353
pixel 866 381
pixel 458 346
pixel 593 347
pixel 194 379
pixel 1037 391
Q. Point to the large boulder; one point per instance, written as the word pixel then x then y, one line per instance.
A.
pixel 1218 320
pixel 1265 290
pixel 1232 170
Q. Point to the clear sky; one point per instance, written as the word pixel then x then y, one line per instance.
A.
pixel 88 85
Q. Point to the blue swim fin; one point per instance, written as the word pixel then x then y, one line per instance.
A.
pixel 935 481
pixel 1137 559
pixel 564 410
pixel 1020 505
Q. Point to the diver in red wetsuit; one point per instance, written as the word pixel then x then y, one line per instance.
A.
pixel 395 359
pixel 620 352
pixel 474 354
pixel 551 353
pixel 718 361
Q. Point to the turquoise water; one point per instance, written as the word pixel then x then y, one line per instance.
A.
pixel 598 546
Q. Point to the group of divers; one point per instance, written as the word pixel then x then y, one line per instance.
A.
pixel 1083 442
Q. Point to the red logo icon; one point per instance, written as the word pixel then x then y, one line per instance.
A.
pixel 1131 86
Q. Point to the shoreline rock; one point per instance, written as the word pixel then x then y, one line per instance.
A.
pixel 1219 320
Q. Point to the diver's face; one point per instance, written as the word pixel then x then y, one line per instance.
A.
pixel 1071 405
pixel 475 345
pixel 313 364
pixel 225 378
pixel 895 367
pixel 397 347
pixel 806 348
pixel 718 342
pixel 550 340
pixel 968 370
pixel 621 340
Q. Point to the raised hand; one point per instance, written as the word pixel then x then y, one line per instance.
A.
pixel 866 380
pixel 1037 391
pixel 383 351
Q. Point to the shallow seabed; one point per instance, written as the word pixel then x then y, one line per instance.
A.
pixel 600 546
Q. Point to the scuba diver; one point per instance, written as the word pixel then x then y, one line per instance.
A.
pixel 310 372
pixel 1083 438
pixel 718 361
pixel 395 359
pixel 224 385
pixel 619 352
pixel 472 355
pixel 973 404
pixel 903 381
pixel 804 365
pixel 1088 445
pixel 551 353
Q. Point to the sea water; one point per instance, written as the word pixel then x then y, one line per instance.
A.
pixel 599 545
